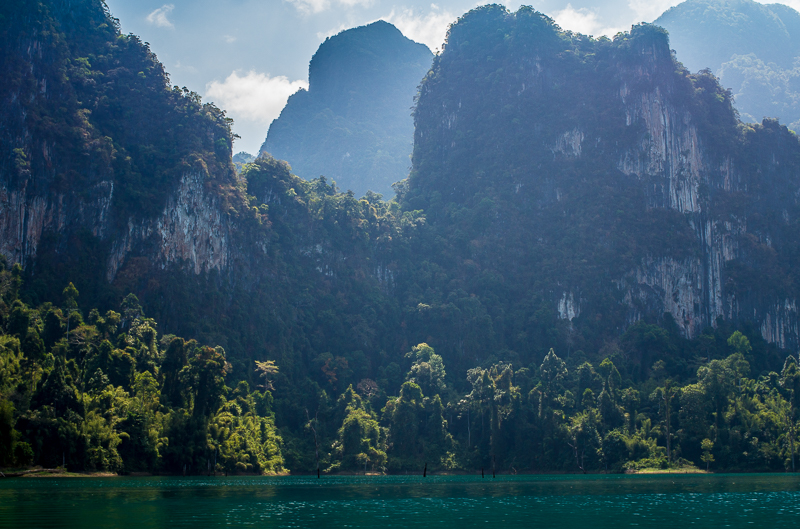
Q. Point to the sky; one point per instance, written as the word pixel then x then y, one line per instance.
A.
pixel 249 56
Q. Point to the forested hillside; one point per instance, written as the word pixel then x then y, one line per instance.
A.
pixel 113 393
pixel 353 125
pixel 590 268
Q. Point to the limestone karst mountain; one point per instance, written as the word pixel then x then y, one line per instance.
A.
pixel 602 181
pixel 569 187
pixel 116 181
pixel 353 124
pixel 570 197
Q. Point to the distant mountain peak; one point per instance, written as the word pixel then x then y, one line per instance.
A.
pixel 363 50
pixel 751 47
pixel 353 124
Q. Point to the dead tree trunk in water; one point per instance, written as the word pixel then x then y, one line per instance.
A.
pixel 578 457
pixel 316 443
pixel 791 428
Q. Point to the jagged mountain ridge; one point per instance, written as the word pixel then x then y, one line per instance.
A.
pixel 353 124
pixel 706 33
pixel 601 180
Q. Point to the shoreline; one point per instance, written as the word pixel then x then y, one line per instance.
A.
pixel 58 472
pixel 39 472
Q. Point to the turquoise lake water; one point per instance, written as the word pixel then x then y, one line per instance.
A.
pixel 673 501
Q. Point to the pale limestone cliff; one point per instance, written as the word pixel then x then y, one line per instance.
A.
pixel 192 231
pixel 568 308
pixel 669 151
pixel 671 160
pixel 779 323
pixel 569 143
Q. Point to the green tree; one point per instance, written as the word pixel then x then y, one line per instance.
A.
pixel 70 295
pixel 740 344
pixel 719 379
pixel 706 445
pixel 266 370
pixel 176 357
pixel 8 435
pixel 10 368
pixel 206 373
pixel 18 320
pixel 664 396
pixel 553 370
pixel 405 416
pixel 790 381
pixel 427 370
pixel 583 436
pixel 360 440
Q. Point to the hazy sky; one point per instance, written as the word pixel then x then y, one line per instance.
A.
pixel 248 56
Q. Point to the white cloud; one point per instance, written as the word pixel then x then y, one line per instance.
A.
pixel 649 10
pixel 584 21
pixel 159 16
pixel 253 96
pixel 794 4
pixel 229 39
pixel 353 3
pixel 253 100
pixel 309 7
pixel 430 29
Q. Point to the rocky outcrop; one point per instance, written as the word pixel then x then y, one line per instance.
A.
pixel 568 308
pixel 569 143
pixel 668 154
pixel 192 231
pixel 669 159
pixel 779 324
pixel 98 146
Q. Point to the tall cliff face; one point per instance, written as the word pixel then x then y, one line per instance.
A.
pixel 192 231
pixel 94 141
pixel 613 184
pixel 354 124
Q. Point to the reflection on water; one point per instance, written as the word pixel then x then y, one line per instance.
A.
pixel 733 500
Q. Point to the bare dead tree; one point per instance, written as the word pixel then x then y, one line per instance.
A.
pixel 311 425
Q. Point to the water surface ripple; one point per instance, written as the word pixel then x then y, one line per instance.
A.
pixel 732 500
